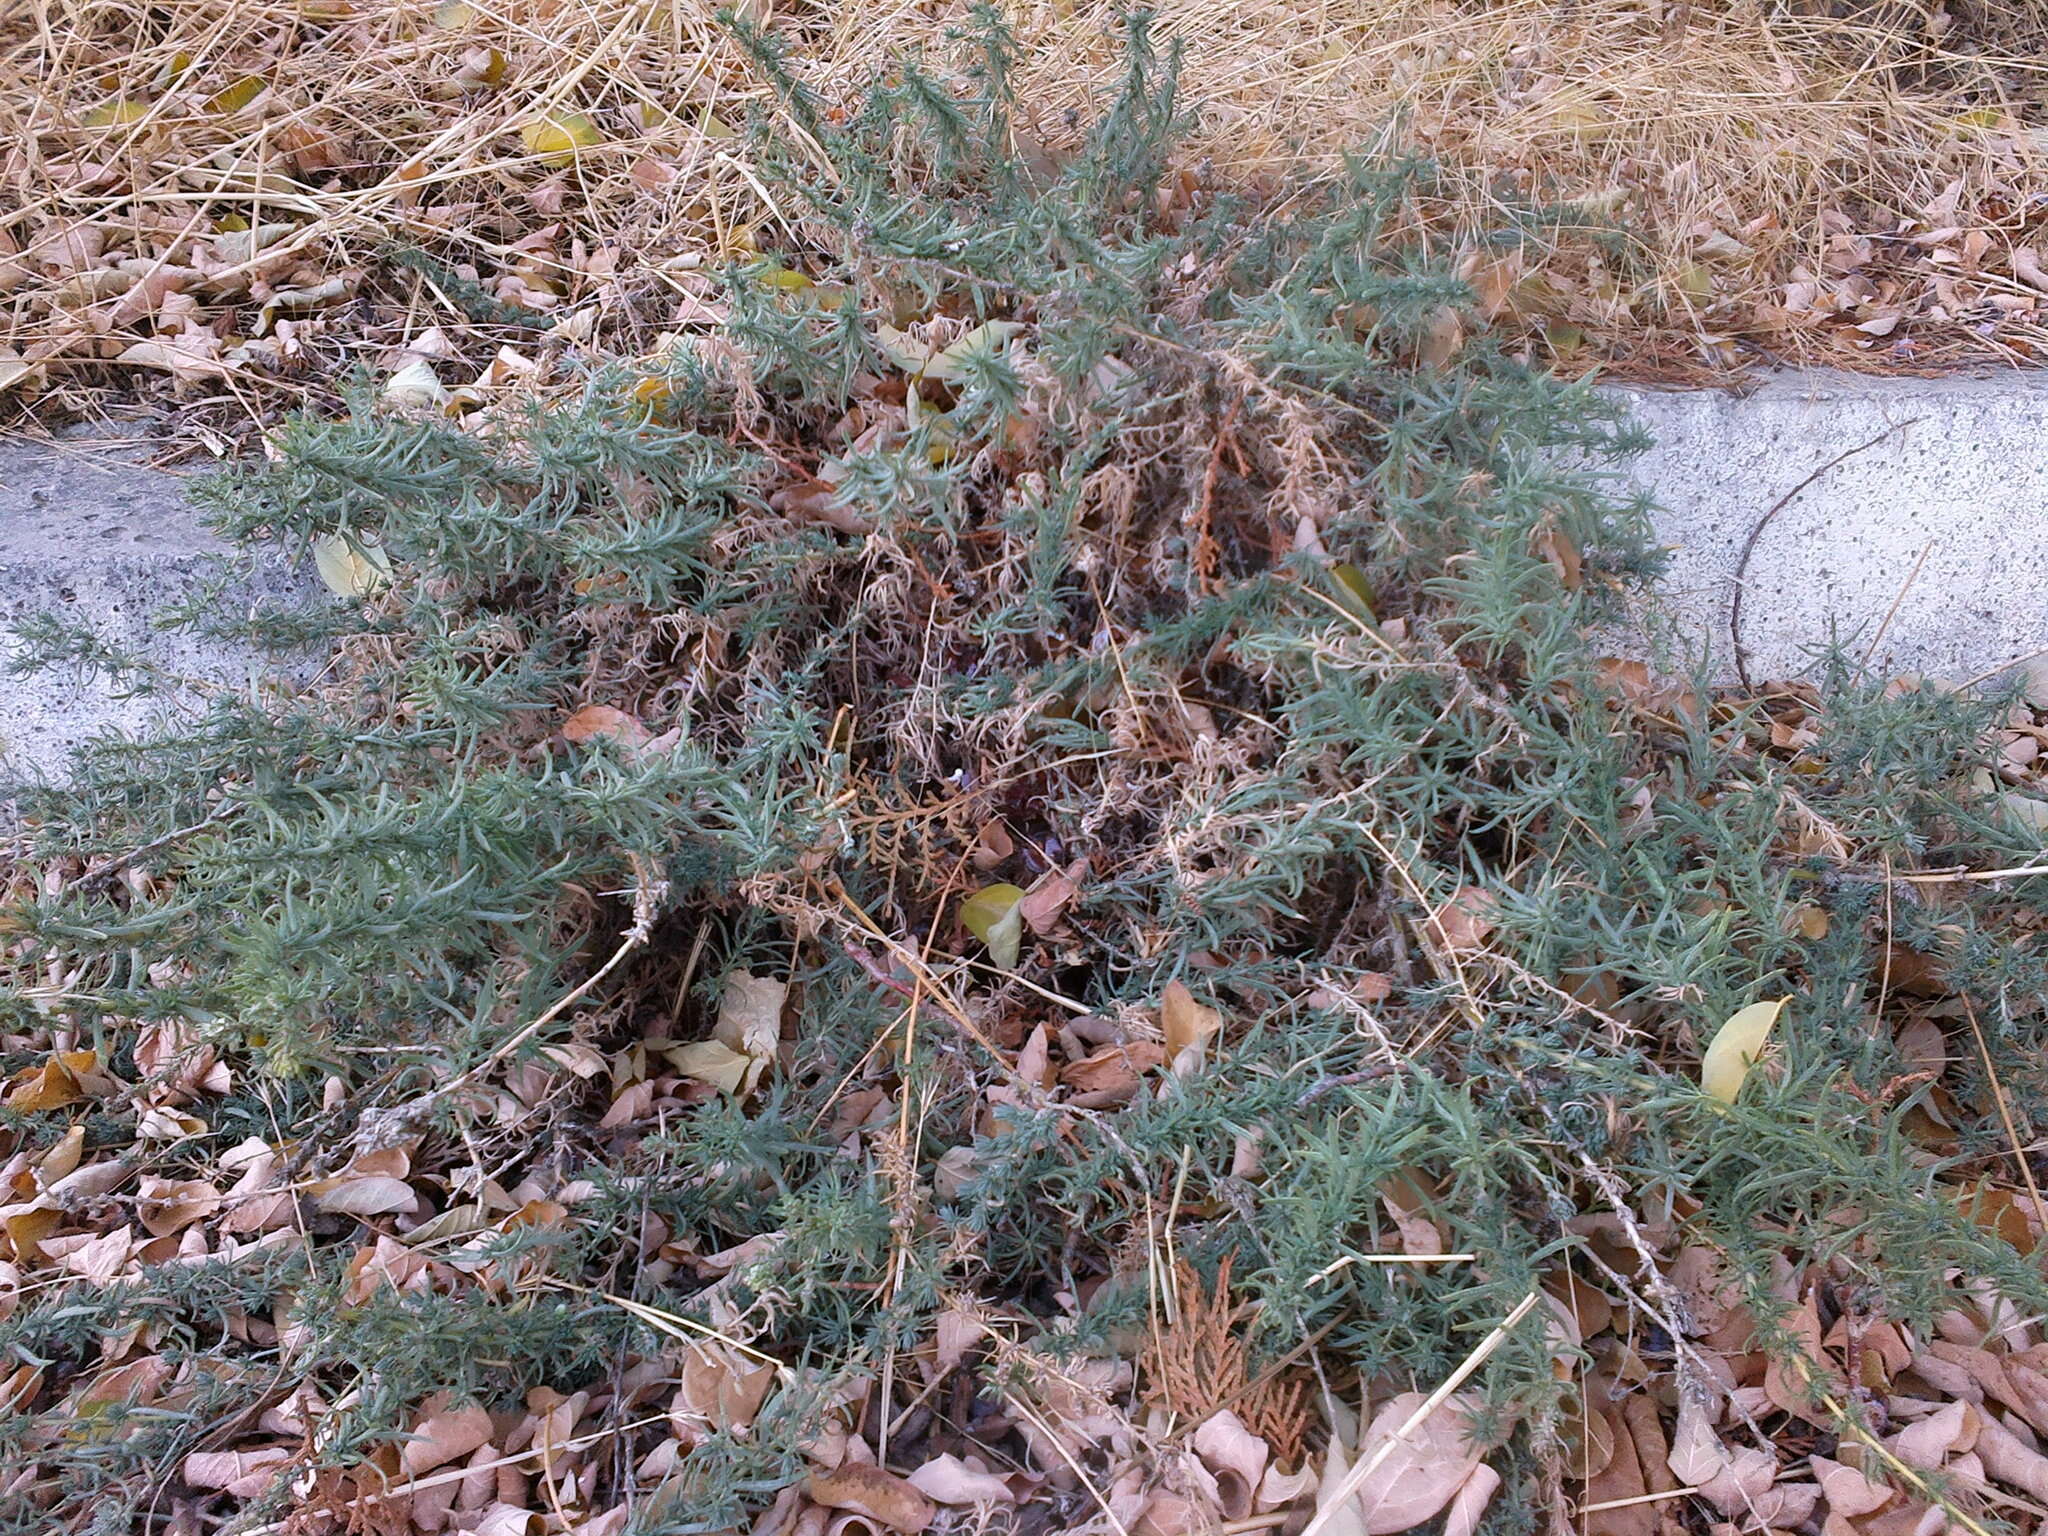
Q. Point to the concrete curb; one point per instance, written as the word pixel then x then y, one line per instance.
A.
pixel 1931 541
pixel 88 529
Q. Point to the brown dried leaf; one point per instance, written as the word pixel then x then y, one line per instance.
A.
pixel 750 1014
pixel 717 1388
pixel 1849 1491
pixel 1235 1457
pixel 443 1436
pixel 1923 1446
pixel 1111 1074
pixel 1463 922
pixel 373 1195
pixel 1442 336
pixel 1422 1472
pixel 241 1474
pixel 816 501
pixel 1050 895
pixel 1462 1519
pixel 2011 1460
pixel 1186 1023
pixel 602 722
pixel 946 1479
pixel 170 1205
pixel 1785 1383
pixel 878 1495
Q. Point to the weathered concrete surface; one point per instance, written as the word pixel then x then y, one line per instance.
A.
pixel 1960 472
pixel 87 529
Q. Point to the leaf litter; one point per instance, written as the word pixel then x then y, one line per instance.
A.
pixel 1692 1382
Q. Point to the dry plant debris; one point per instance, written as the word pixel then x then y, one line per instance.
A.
pixel 1004 895
pixel 230 201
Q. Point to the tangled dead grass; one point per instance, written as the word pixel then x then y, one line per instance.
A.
pixel 211 191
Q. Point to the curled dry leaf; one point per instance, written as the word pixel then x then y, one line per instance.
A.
pixel 1462 1519
pixel 817 501
pixel 1186 1023
pixel 167 1206
pixel 444 1436
pixel 877 1495
pixel 1050 895
pixel 240 1474
pixel 369 1195
pixel 1236 1458
pixel 1463 922
pixel 743 1041
pixel 1849 1491
pixel 947 1479
pixel 717 1389
pixel 1111 1074
pixel 1418 1474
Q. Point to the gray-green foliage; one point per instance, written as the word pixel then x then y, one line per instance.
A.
pixel 381 882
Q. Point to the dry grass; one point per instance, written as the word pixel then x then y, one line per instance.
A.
pixel 1847 183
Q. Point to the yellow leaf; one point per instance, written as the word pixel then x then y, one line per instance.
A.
pixel 1353 590
pixel 948 364
pixel 1565 340
pixel 417 385
pixel 991 915
pixel 775 275
pixel 117 113
pixel 559 137
pixel 716 1063
pixel 235 96
pixel 350 568
pixel 1735 1047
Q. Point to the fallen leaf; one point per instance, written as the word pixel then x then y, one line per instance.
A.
pixel 1237 1459
pixel 166 1206
pixel 1785 1381
pixel 601 722
pixel 1186 1023
pixel 2010 1460
pixel 52 1085
pixel 1849 1491
pixel 240 1474
pixel 1462 1518
pixel 1926 1444
pixel 946 1479
pixel 1337 1514
pixel 1421 1472
pixel 946 365
pixel 869 1491
pixel 415 386
pixel 444 1436
pixel 716 1063
pixel 352 565
pixel 1463 922
pixel 991 915
pixel 181 362
pixel 559 137
pixel 1110 1075
pixel 1735 1047
pixel 1442 336
pixel 819 501
pixel 750 1013
pixel 1050 895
